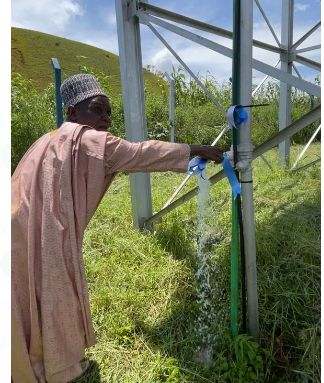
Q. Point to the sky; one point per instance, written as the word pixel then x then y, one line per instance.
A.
pixel 94 22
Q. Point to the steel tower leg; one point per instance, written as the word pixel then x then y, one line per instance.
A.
pixel 130 57
pixel 286 66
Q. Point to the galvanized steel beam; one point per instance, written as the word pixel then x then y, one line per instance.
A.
pixel 258 65
pixel 267 21
pixel 245 150
pixel 306 147
pixel 305 36
pixel 282 135
pixel 286 67
pixel 171 105
pixel 305 61
pixel 131 71
pixel 312 48
pixel 189 22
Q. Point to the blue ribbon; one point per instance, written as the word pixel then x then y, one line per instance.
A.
pixel 231 176
pixel 197 165
pixel 236 115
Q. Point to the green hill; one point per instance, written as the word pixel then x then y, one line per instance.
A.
pixel 31 54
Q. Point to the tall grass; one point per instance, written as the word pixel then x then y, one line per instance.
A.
pixel 142 284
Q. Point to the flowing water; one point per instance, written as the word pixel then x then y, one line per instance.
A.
pixel 206 315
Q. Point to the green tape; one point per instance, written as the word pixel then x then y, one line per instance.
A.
pixel 234 269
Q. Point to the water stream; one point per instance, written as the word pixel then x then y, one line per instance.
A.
pixel 206 314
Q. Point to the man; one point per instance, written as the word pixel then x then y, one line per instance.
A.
pixel 56 189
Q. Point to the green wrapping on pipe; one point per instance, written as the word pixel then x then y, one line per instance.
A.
pixel 234 269
pixel 235 248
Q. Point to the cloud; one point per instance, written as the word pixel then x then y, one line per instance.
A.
pixel 48 16
pixel 301 7
pixel 199 59
pixel 110 17
pixel 163 60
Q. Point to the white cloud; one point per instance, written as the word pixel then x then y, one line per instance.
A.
pixel 48 16
pixel 301 7
pixel 199 59
pixel 110 17
pixel 163 60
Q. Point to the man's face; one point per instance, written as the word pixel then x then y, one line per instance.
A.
pixel 95 112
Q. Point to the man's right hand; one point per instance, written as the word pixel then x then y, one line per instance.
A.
pixel 207 152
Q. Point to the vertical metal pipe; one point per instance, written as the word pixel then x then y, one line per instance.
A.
pixel 171 109
pixel 245 151
pixel 130 59
pixel 286 66
pixel 171 105
pixel 235 250
pixel 58 98
pixel 235 205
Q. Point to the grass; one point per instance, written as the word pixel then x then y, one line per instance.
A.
pixel 142 286
pixel 31 54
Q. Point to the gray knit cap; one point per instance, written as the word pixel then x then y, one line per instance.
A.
pixel 78 88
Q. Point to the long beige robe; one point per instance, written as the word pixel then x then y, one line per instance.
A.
pixel 56 189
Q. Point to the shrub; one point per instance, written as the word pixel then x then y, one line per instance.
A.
pixel 197 119
pixel 33 114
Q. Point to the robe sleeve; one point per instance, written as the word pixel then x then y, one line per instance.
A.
pixel 145 156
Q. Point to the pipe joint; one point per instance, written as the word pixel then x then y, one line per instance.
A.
pixel 245 152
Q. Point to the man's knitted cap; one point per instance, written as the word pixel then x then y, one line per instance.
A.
pixel 78 88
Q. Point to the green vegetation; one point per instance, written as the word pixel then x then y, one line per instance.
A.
pixel 197 119
pixel 142 285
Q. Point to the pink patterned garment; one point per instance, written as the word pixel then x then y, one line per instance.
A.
pixel 56 189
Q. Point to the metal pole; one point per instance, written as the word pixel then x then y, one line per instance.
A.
pixel 245 152
pixel 171 105
pixel 307 166
pixel 267 21
pixel 306 147
pixel 171 109
pixel 305 36
pixel 134 105
pixel 58 98
pixel 286 66
pixel 235 240
pixel 311 48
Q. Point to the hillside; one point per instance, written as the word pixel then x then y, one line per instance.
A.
pixel 31 54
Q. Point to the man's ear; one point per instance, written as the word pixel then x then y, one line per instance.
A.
pixel 71 114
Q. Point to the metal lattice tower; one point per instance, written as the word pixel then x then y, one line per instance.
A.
pixel 130 14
